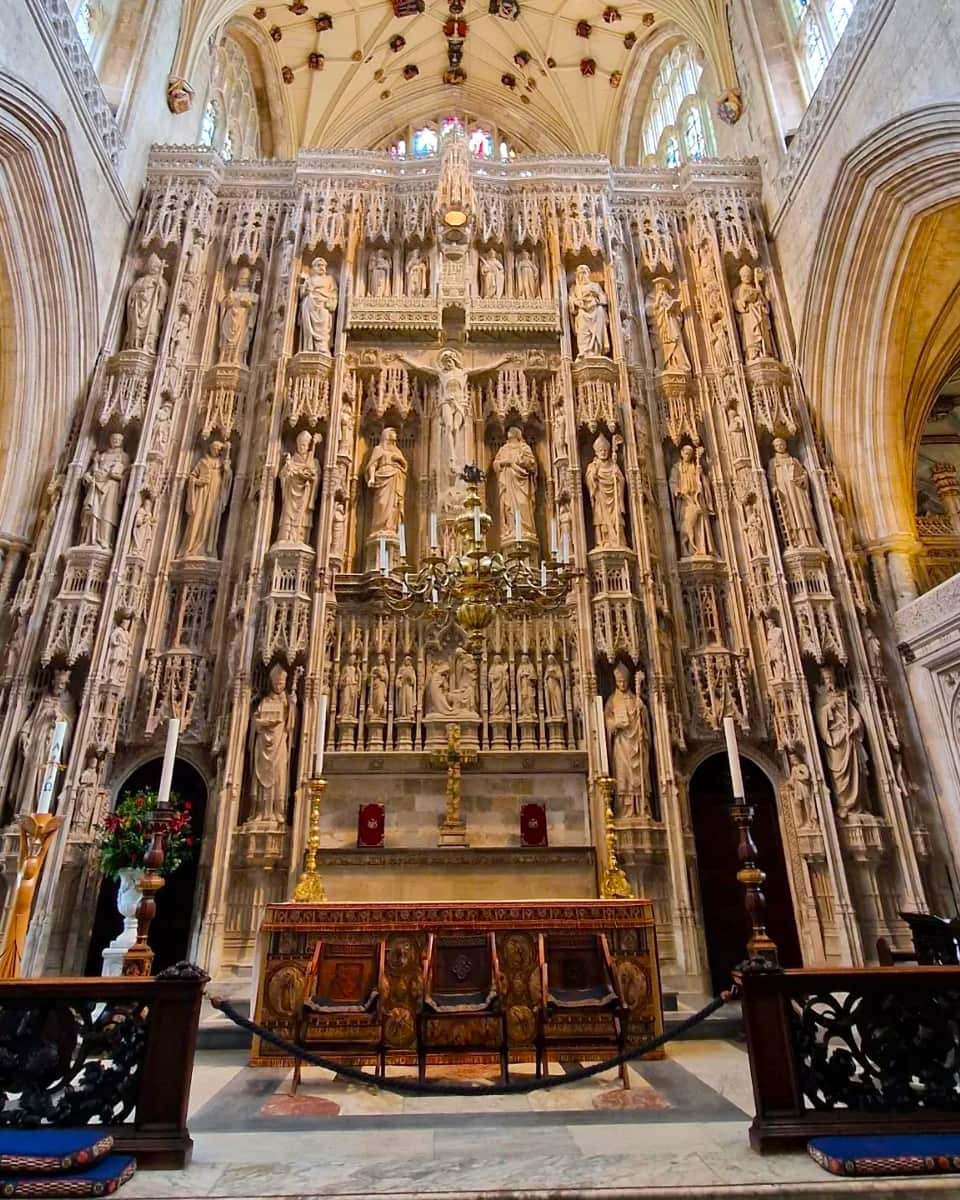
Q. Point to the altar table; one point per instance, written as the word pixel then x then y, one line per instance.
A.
pixel 290 932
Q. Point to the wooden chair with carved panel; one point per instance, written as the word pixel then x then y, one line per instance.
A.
pixel 340 1011
pixel 582 1011
pixel 461 1007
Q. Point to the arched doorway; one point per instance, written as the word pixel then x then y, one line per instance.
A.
pixel 170 931
pixel 726 926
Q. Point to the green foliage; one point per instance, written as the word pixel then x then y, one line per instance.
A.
pixel 125 834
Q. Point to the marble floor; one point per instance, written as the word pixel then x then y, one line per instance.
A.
pixel 681 1130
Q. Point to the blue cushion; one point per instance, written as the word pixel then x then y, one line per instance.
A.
pixel 47 1151
pixel 888 1154
pixel 102 1179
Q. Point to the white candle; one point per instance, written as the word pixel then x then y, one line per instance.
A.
pixel 384 564
pixel 543 573
pixel 433 596
pixel 169 757
pixel 321 742
pixel 516 525
pixel 403 541
pixel 476 525
pixel 553 537
pixel 49 786
pixel 602 736
pixel 433 531
pixel 733 754
pixel 565 548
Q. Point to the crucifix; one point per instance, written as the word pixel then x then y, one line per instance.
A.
pixel 453 831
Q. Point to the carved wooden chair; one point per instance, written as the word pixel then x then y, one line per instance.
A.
pixel 340 1010
pixel 461 1007
pixel 582 1010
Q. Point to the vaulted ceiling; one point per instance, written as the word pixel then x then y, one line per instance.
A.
pixel 565 93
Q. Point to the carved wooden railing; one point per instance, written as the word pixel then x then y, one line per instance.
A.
pixel 115 1053
pixel 873 1050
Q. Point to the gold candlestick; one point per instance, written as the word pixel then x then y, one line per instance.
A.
pixel 614 885
pixel 309 889
pixel 36 835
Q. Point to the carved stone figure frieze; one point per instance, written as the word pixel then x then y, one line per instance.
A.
pixel 515 467
pixel 492 277
pixel 387 482
pixel 417 274
pixel 104 484
pixel 751 303
pixel 666 317
pixel 299 476
pixel 349 688
pixel 498 684
pixel 208 491
pixel 588 312
pixel 379 275
pixel 319 296
pixel 840 727
pixel 146 304
pixel 378 689
pixel 405 688
pixel 553 689
pixel 238 318
pixel 790 488
pixel 437 701
pixel 628 728
pixel 693 503
pixel 528 276
pixel 36 738
pixel 274 720
pixel 606 486
pixel 526 689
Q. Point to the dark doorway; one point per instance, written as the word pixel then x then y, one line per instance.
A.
pixel 726 926
pixel 170 931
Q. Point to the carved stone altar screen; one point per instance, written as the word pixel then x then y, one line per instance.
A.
pixel 300 360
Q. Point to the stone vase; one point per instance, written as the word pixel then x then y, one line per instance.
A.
pixel 128 898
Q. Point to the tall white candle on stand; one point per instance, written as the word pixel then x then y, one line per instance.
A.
pixel 49 785
pixel 169 757
pixel 516 524
pixel 543 573
pixel 733 754
pixel 433 531
pixel 403 541
pixel 321 742
pixel 553 537
pixel 384 563
pixel 602 736
pixel 476 525
pixel 565 548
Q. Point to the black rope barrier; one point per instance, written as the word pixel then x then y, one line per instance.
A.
pixel 407 1087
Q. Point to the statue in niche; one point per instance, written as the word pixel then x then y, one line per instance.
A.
pixel 192 271
pixel 561 451
pixel 405 707
pixel 800 786
pixel 790 488
pixel 607 487
pixel 528 276
pixel 347 426
pixel 238 310
pixel 627 725
pixel 146 304
pixel 588 312
pixel 737 432
pixel 349 688
pixel 143 526
pixel 180 338
pixel 526 689
pixel 298 487
pixel 36 738
pixel 454 404
pixel 436 697
pixel 104 481
pixel 387 482
pixel 753 530
pixel 751 303
pixel 776 653
pixel 693 503
pixel 379 271
pixel 379 684
pixel 553 689
pixel 88 786
pixel 840 727
pixel 465 681
pixel 274 720
pixel 498 682
pixel 492 276
pixel 417 274
pixel 338 530
pixel 319 296
pixel 874 653
pixel 161 430
pixel 208 490
pixel 666 316
pixel 515 467
pixel 119 649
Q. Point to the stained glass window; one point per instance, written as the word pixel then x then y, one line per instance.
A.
pixel 231 124
pixel 481 143
pixel 676 123
pixel 425 141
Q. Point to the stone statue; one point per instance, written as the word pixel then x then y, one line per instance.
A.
pixel 379 271
pixel 666 316
pixel 238 310
pixel 737 433
pixel 387 482
pixel 36 738
pixel 515 467
pixel 104 482
pixel 498 678
pixel 180 338
pixel 454 409
pixel 417 274
pixel 193 271
pixel 405 687
pixel 146 304
pixel 588 312
pixel 349 688
pixel 208 490
pixel 800 785
pixel 347 426
pixel 436 697
pixel 776 653
pixel 298 487
pixel 693 503
pixel 119 649
pixel 553 689
pixel 790 488
pixel 274 720
pixel 874 653
pixel 338 531
pixel 627 725
pixel 319 296
pixel 561 451
pixel 840 727
pixel 491 275
pixel 465 679
pixel 161 430
pixel 750 301
pixel 88 785
pixel 379 684
pixel 606 485
pixel 528 276
pixel 526 689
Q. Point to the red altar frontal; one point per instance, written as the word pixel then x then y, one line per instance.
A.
pixel 392 955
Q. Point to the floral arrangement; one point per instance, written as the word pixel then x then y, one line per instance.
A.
pixel 125 834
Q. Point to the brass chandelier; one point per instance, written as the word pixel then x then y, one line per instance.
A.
pixel 471 586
